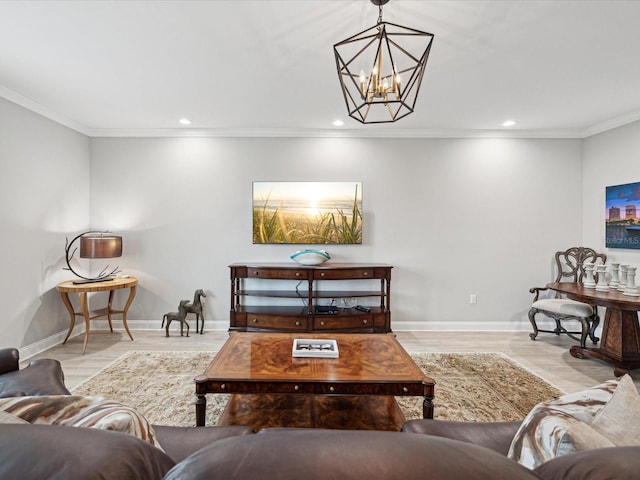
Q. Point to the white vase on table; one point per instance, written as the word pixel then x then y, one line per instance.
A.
pixel 589 281
pixel 623 278
pixel 631 290
pixel 615 279
pixel 602 285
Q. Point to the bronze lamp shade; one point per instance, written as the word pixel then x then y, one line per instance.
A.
pixel 100 246
pixel 94 244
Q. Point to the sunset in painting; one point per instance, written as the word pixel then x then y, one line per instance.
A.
pixel 307 212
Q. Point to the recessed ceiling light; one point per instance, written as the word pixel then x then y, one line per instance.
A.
pixel 508 123
pixel 338 123
pixel 185 121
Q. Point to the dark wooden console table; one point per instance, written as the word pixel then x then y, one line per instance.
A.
pixel 288 297
pixel 620 342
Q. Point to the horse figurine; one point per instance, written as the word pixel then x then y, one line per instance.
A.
pixel 179 316
pixel 196 307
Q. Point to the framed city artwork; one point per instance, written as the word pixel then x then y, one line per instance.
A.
pixel 622 224
pixel 307 212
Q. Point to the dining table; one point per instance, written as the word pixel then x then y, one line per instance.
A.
pixel 620 339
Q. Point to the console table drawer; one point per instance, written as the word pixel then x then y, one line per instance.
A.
pixel 354 273
pixel 335 322
pixel 275 273
pixel 343 388
pixel 259 387
pixel 279 322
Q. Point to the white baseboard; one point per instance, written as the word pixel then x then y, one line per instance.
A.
pixel 401 326
pixel 223 325
pixel 210 325
pixel 29 351
pixel 44 344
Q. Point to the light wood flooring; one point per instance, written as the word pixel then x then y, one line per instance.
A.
pixel 548 356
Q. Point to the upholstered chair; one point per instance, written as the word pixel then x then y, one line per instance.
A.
pixel 569 268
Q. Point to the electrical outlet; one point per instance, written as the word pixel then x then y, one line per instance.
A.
pixel 473 299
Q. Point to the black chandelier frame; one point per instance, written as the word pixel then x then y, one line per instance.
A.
pixel 362 96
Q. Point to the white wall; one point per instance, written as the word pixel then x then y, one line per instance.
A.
pixel 44 196
pixel 610 158
pixel 454 217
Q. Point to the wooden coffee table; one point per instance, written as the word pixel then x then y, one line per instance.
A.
pixel 270 387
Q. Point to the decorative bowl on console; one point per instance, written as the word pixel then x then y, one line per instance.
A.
pixel 311 257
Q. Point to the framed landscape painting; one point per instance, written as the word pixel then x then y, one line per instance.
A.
pixel 307 212
pixel 622 224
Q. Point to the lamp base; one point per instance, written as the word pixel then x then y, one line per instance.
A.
pixel 92 280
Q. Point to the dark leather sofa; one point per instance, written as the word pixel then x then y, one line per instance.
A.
pixel 426 449
pixel 619 463
pixel 45 377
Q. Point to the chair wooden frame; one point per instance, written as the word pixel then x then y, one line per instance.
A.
pixel 570 268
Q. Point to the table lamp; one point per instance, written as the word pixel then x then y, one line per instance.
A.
pixel 95 244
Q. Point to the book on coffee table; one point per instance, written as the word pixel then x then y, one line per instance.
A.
pixel 318 348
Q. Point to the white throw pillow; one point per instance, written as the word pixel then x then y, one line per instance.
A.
pixel 8 418
pixel 80 411
pixel 603 416
pixel 619 420
pixel 581 436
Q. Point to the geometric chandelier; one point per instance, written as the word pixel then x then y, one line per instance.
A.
pixel 381 69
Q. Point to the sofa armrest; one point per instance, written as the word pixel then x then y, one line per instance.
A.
pixel 598 464
pixel 77 453
pixel 494 435
pixel 180 442
pixel 41 377
pixel 9 360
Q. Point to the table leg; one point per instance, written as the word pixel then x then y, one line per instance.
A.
pixel 427 408
pixel 201 409
pixel 111 294
pixel 132 294
pixel 84 305
pixel 72 313
pixel 620 343
pixel 427 403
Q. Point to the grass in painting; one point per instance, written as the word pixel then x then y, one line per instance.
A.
pixel 278 226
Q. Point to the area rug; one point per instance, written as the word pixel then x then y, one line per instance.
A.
pixel 478 387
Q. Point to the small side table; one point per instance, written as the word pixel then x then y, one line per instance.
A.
pixel 117 283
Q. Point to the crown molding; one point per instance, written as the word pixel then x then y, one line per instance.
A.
pixel 372 131
pixel 375 132
pixel 611 124
pixel 35 107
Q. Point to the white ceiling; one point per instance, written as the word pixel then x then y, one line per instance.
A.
pixel 266 67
